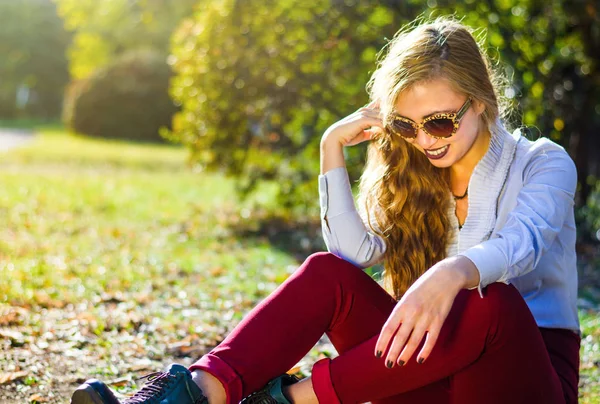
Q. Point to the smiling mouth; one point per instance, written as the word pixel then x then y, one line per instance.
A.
pixel 437 152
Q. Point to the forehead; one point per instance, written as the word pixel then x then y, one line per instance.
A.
pixel 423 99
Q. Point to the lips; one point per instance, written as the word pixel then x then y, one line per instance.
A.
pixel 436 154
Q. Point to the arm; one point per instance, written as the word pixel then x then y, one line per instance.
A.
pixel 344 231
pixel 550 180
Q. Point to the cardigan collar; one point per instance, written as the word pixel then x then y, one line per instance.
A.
pixel 485 186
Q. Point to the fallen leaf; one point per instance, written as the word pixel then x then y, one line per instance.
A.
pixel 120 382
pixel 12 376
pixel 38 398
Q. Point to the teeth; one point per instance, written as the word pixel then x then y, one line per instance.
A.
pixel 438 151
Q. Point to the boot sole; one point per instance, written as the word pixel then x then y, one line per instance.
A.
pixel 86 395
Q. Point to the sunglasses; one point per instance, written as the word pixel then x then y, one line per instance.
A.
pixel 439 126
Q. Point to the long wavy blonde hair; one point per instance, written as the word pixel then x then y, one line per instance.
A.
pixel 402 196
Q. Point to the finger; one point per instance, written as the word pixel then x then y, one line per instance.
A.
pixel 372 113
pixel 368 122
pixel 398 343
pixel 387 332
pixel 413 343
pixel 371 105
pixel 361 114
pixel 432 336
pixel 361 137
pixel 367 113
pixel 372 132
pixel 374 103
pixel 365 135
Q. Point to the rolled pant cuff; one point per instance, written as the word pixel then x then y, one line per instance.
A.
pixel 222 371
pixel 321 381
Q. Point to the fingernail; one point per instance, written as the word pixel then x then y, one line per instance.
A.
pixel 390 364
pixel 378 354
pixel 421 360
pixel 400 362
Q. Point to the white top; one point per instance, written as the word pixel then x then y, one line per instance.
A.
pixel 520 226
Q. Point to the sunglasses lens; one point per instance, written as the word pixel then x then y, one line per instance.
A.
pixel 441 127
pixel 404 129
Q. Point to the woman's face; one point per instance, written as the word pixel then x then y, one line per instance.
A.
pixel 435 96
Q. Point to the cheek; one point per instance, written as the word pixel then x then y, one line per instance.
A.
pixel 465 136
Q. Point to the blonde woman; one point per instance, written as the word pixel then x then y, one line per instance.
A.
pixel 476 231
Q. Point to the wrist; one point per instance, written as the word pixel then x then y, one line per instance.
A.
pixel 329 141
pixel 465 274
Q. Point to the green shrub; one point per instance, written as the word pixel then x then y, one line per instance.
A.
pixel 588 216
pixel 259 84
pixel 128 99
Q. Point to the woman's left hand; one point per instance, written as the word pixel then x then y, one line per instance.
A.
pixel 423 309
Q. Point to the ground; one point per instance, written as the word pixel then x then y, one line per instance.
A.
pixel 118 259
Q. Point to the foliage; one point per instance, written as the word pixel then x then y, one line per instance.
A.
pixel 105 29
pixel 259 82
pixel 127 99
pixel 589 216
pixel 33 66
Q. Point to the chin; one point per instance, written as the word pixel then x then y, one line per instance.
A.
pixel 443 163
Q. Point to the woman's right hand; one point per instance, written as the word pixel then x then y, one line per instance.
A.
pixel 357 127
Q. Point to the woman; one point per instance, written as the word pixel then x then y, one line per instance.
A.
pixel 475 227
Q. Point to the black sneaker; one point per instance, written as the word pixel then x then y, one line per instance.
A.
pixel 272 393
pixel 93 392
pixel 175 386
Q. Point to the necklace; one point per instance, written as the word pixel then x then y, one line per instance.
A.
pixel 463 196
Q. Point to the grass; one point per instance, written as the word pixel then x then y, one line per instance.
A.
pixel 117 250
pixel 590 357
pixel 127 239
pixel 84 217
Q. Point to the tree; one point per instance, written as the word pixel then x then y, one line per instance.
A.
pixel 33 66
pixel 260 81
pixel 105 29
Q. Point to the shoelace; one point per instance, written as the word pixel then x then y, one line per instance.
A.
pixel 156 382
pixel 260 398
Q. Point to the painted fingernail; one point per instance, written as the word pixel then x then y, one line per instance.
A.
pixel 390 364
pixel 378 354
pixel 401 362
pixel 421 360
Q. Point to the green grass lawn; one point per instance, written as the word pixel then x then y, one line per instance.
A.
pixel 117 257
pixel 84 217
pixel 119 236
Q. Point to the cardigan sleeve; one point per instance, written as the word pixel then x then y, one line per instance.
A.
pixel 543 203
pixel 344 231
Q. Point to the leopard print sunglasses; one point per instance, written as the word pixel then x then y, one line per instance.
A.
pixel 439 126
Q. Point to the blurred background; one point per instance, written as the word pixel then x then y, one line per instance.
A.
pixel 158 163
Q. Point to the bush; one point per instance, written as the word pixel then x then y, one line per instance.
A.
pixel 257 91
pixel 128 99
pixel 588 216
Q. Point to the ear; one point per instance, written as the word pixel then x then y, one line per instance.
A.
pixel 479 107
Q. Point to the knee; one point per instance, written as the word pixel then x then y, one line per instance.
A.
pixel 326 262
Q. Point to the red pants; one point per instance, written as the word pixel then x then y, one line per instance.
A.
pixel 489 350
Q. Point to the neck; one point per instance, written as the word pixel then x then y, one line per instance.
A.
pixel 460 172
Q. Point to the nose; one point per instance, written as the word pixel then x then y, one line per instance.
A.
pixel 424 140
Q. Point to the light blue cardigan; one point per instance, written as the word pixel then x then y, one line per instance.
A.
pixel 520 226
